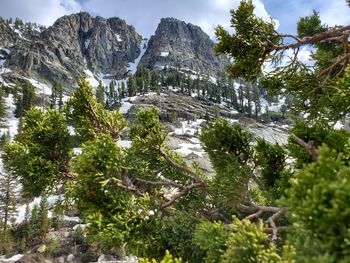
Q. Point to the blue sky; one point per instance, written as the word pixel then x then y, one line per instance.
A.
pixel 145 14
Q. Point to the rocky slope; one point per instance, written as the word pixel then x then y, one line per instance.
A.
pixel 177 44
pixel 74 43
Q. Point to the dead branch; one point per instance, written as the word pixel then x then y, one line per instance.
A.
pixel 312 40
pixel 256 212
pixel 159 183
pixel 180 194
pixel 309 146
pixel 182 168
pixel 272 222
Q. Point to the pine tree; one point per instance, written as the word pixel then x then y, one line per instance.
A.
pixel 7 198
pixel 256 100
pixel 5 139
pixel 3 107
pixel 100 93
pixel 123 90
pixel 24 101
pixel 43 217
pixel 132 86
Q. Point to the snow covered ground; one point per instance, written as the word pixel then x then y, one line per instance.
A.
pixel 42 88
pixel 12 259
pixel 133 66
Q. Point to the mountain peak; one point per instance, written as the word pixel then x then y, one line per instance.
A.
pixel 177 43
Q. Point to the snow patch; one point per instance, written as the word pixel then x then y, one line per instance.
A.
pixel 12 259
pixel 51 200
pixel 43 88
pixel 124 143
pixel 164 53
pixel 133 66
pixel 11 121
pixel 125 107
pixel 91 78
pixel 87 43
pixel 119 39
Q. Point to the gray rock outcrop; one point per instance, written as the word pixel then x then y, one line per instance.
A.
pixel 180 45
pixel 73 43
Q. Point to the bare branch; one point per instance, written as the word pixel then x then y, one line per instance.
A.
pixel 182 193
pixel 159 183
pixel 182 168
pixel 314 39
pixel 272 221
pixel 257 211
pixel 308 146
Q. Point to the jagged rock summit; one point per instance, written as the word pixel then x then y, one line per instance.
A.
pixel 177 44
pixel 101 48
pixel 71 45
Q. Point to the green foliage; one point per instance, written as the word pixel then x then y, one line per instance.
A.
pixel 341 96
pixel 8 200
pixel 113 213
pixel 40 154
pixel 6 242
pixel 100 162
pixel 223 139
pixel 249 43
pixel 248 243
pixel 229 150
pixel 211 238
pixel 318 200
pixel 271 159
pixel 24 100
pixel 255 44
pixel 168 258
pixel 174 233
pixel 3 106
pixel 319 133
pixel 90 118
pixel 147 133
pixel 310 25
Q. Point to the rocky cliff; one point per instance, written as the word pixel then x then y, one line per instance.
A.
pixel 101 48
pixel 73 44
pixel 177 44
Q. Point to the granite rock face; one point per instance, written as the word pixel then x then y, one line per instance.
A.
pixel 103 48
pixel 73 43
pixel 181 45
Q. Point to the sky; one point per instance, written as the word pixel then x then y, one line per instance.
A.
pixel 145 15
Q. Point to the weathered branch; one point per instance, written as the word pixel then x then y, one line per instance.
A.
pixel 309 146
pixel 182 193
pixel 256 212
pixel 181 168
pixel 159 183
pixel 272 221
pixel 312 40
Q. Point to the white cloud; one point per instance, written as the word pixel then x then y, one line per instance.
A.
pixel 143 14
pixel 335 12
pixel 44 12
pixel 145 17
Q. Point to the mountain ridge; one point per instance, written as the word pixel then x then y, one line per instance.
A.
pixel 80 42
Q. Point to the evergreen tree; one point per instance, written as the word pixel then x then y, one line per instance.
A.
pixel 3 106
pixel 7 199
pixel 25 100
pixel 132 86
pixel 256 100
pixel 100 93
pixel 43 218
pixel 39 155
